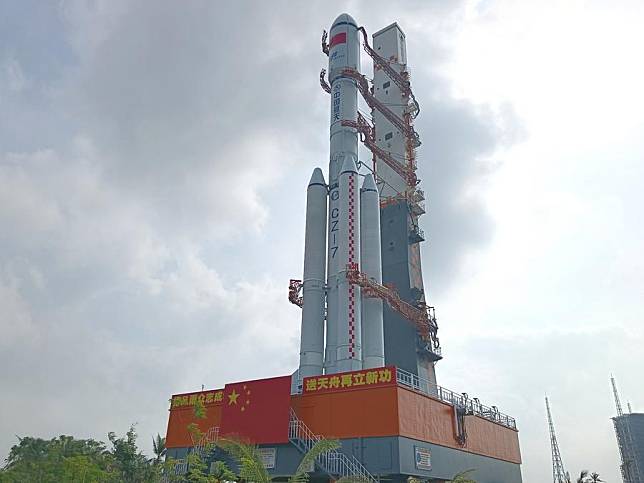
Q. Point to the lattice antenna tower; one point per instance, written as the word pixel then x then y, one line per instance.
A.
pixel 628 466
pixel 559 474
pixel 618 404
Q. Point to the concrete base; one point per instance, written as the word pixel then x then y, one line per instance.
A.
pixel 392 459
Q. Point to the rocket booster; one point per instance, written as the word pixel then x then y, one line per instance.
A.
pixel 312 336
pixel 373 347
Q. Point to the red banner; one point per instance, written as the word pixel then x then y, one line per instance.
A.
pixel 257 410
pixel 340 38
pixel 383 376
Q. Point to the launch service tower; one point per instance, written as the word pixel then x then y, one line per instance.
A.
pixel 369 338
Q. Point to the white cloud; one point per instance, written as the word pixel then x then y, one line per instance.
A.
pixel 12 76
pixel 16 323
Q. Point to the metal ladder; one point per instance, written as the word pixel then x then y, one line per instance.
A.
pixel 334 463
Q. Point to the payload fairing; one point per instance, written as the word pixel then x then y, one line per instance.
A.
pixel 354 326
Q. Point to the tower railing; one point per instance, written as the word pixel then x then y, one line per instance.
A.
pixel 472 406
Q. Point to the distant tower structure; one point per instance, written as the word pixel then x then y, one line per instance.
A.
pixel 629 430
pixel 559 474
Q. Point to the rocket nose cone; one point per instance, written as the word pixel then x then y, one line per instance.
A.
pixel 349 166
pixel 317 177
pixel 344 18
pixel 369 184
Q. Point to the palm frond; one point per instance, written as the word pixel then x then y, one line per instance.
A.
pixel 221 472
pixel 323 446
pixel 251 467
pixel 463 476
pixel 158 447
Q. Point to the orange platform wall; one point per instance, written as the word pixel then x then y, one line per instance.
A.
pixel 178 435
pixel 373 412
pixel 396 411
pixel 430 420
pixel 350 413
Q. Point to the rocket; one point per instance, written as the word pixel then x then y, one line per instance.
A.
pixel 345 234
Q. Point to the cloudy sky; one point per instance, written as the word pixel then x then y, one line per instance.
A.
pixel 154 158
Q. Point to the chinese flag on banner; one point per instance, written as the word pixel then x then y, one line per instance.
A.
pixel 257 410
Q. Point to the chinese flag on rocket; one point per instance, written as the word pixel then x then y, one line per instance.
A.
pixel 257 410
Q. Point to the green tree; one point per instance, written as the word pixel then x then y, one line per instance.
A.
pixel 198 469
pixel 583 476
pixel 247 457
pixel 308 460
pixel 29 452
pixel 66 459
pixel 251 467
pixel 39 460
pixel 82 469
pixel 220 472
pixel 158 448
pixel 130 464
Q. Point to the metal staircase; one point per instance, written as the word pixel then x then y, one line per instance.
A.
pixel 181 465
pixel 334 463
pixel 207 438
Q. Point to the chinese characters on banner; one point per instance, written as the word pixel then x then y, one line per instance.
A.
pixel 206 397
pixel 383 376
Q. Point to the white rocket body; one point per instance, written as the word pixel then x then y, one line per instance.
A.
pixel 344 51
pixel 347 331
pixel 373 347
pixel 312 335
pixel 349 349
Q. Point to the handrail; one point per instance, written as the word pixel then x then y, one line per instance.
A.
pixel 333 462
pixel 472 406
pixel 180 466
